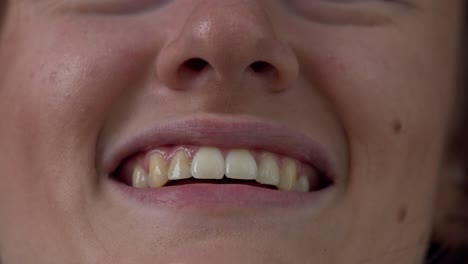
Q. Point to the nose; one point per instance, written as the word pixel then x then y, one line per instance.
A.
pixel 227 42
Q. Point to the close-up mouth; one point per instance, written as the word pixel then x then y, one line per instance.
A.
pixel 234 131
pixel 222 157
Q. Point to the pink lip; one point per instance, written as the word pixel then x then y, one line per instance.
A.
pixel 221 196
pixel 222 132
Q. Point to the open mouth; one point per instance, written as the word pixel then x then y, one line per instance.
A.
pixel 187 164
pixel 207 160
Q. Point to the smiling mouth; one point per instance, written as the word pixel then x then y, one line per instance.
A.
pixel 183 165
pixel 199 161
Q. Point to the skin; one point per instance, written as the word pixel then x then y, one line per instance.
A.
pixel 376 79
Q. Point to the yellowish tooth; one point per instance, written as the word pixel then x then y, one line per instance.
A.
pixel 208 163
pixel 268 171
pixel 302 184
pixel 240 164
pixel 180 167
pixel 157 171
pixel 139 178
pixel 288 175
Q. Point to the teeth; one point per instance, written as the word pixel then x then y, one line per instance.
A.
pixel 180 167
pixel 139 178
pixel 288 175
pixel 157 171
pixel 240 164
pixel 268 171
pixel 208 163
pixel 302 184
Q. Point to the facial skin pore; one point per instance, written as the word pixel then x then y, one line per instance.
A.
pixel 372 81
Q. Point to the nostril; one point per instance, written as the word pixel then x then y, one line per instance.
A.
pixel 261 66
pixel 264 70
pixel 196 64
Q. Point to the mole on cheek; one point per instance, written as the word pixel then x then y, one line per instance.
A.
pixel 397 126
pixel 401 215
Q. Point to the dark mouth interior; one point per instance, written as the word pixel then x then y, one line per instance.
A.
pixel 221 181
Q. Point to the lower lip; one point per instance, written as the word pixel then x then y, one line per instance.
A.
pixel 219 195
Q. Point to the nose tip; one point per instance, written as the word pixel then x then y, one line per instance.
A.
pixel 227 41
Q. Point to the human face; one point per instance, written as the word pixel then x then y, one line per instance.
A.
pixel 360 93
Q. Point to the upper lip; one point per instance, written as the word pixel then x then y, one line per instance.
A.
pixel 215 131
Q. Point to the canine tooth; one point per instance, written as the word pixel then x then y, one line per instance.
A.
pixel 208 163
pixel 302 184
pixel 240 164
pixel 288 175
pixel 180 167
pixel 268 171
pixel 157 171
pixel 139 178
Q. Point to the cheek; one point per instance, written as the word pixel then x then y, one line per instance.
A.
pixel 389 93
pixel 394 99
pixel 56 90
pixel 67 79
pixel 59 84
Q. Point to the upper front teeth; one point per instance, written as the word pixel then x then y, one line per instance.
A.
pixel 210 163
pixel 180 167
pixel 240 164
pixel 268 171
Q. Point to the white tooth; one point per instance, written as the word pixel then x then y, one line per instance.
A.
pixel 208 163
pixel 268 171
pixel 139 178
pixel 240 164
pixel 180 167
pixel 302 184
pixel 157 171
pixel 288 175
